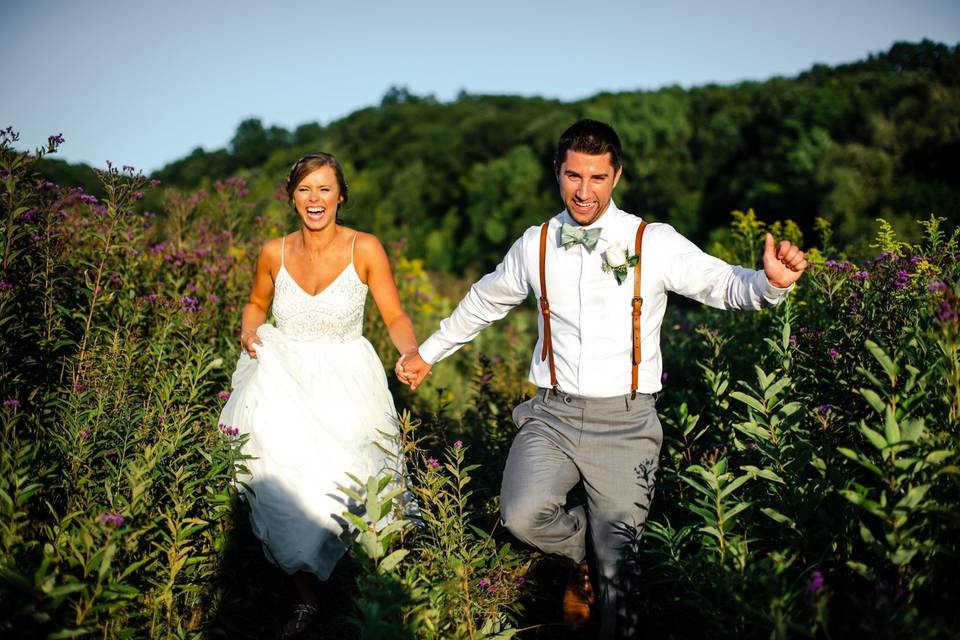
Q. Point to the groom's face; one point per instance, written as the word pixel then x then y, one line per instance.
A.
pixel 586 185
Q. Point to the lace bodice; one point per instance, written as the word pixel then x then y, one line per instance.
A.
pixel 333 315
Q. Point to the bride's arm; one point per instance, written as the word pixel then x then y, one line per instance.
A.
pixel 374 269
pixel 261 295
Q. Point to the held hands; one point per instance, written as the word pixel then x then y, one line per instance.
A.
pixel 783 263
pixel 412 370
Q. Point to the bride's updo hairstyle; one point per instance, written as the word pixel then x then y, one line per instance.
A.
pixel 310 163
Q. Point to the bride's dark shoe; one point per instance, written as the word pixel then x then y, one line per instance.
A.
pixel 300 621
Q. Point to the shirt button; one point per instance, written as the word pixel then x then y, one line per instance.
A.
pixel 567 399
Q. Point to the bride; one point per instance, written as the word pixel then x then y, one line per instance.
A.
pixel 310 391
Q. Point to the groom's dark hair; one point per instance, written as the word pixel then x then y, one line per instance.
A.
pixel 591 137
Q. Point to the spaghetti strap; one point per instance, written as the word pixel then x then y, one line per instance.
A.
pixel 283 241
pixel 353 246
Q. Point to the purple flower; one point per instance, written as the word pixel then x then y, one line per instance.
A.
pixel 78 387
pixel 458 444
pixel 128 168
pixel 483 583
pixel 29 215
pixel 521 580
pixel 486 377
pixel 5 286
pixel 936 286
pixel 793 341
pixel 55 140
pixel 903 278
pixel 111 519
pixel 663 377
pixel 433 462
pixel 88 199
pixel 833 353
pixel 946 313
pixel 151 297
pixel 816 582
pixel 917 259
pixel 823 408
pixel 228 430
pixel 12 403
pixel 861 275
pixel 223 395
pixel 213 298
pixel 154 183
pixel 84 433
pixel 190 304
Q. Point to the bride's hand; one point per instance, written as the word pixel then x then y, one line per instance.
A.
pixel 250 339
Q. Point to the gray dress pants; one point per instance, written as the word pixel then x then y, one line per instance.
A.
pixel 612 445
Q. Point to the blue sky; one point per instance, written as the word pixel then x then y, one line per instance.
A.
pixel 144 83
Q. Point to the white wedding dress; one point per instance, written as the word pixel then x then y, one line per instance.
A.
pixel 315 405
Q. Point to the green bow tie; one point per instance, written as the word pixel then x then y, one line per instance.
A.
pixel 571 235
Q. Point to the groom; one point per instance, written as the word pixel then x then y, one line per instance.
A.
pixel 597 364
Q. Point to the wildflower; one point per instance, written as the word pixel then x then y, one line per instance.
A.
pixel 663 377
pixel 109 453
pixel 154 183
pixel 936 286
pixel 151 297
pixel 223 395
pixel 5 286
pixel 823 408
pixel 29 215
pixel 190 304
pixel 521 580
pixel 55 140
pixel 833 353
pixel 128 169
pixel 946 313
pixel 816 582
pixel 861 275
pixel 116 280
pixel 433 463
pixel 487 377
pixel 12 403
pixel 903 278
pixel 228 430
pixel 111 519
pixel 213 298
pixel 138 195
pixel 88 199
pixel 458 444
pixel 85 433
pixel 793 341
pixel 483 583
pixel 78 387
pixel 495 360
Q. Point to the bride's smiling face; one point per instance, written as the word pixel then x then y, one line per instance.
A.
pixel 317 197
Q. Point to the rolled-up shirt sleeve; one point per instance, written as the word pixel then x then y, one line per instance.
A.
pixel 695 274
pixel 488 300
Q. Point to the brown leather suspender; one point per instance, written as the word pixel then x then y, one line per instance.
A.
pixel 636 304
pixel 545 308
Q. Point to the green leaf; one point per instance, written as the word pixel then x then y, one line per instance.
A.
pixel 913 497
pixel 730 515
pixel 766 474
pixel 733 486
pixel 891 428
pixel 888 365
pixel 392 560
pixel 778 517
pixel 107 559
pixel 875 438
pixel 938 456
pixel 775 389
pixel 748 400
pixel 874 399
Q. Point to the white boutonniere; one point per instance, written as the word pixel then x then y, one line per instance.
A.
pixel 617 259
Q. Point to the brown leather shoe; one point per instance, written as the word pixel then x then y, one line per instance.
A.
pixel 578 596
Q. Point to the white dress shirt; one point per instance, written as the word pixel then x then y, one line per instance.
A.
pixel 590 313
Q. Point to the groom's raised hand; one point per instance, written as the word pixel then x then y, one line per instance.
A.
pixel 783 262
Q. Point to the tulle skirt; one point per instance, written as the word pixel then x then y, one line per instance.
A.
pixel 314 412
